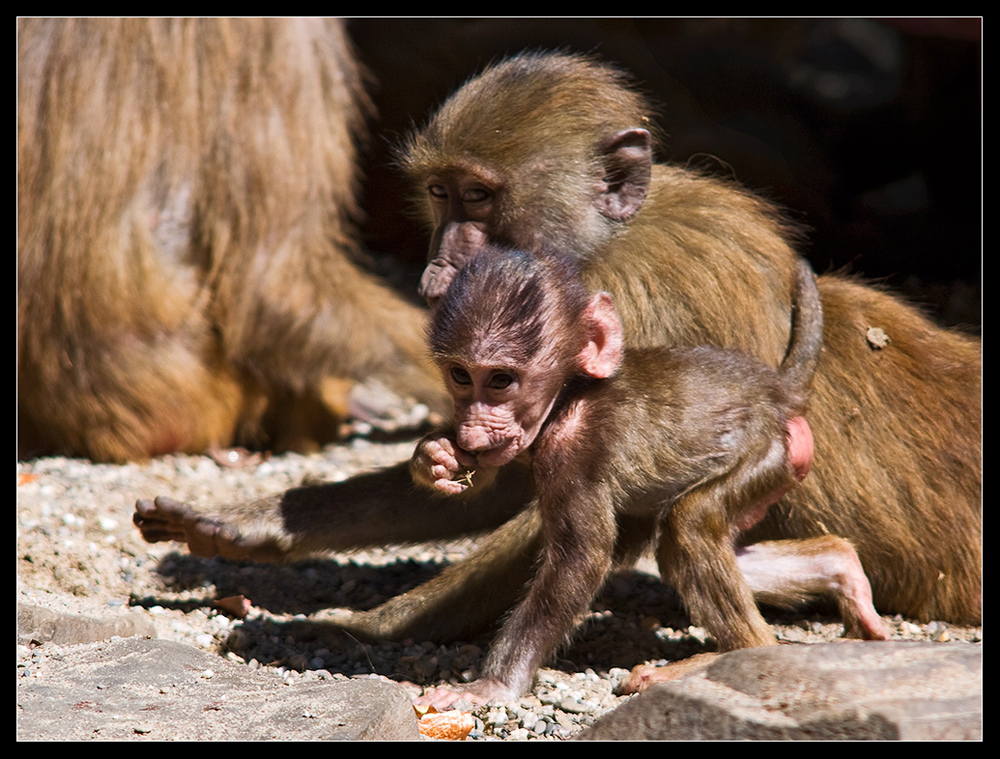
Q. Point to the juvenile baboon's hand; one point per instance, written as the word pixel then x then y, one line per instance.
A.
pixel 438 461
pixel 164 519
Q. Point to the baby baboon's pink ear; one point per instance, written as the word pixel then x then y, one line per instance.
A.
pixel 602 354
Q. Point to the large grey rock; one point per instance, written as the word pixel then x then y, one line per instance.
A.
pixel 834 691
pixel 162 690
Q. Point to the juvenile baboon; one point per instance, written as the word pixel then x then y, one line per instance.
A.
pixel 692 444
pixel 186 190
pixel 555 151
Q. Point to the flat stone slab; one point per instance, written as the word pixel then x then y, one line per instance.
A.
pixel 834 691
pixel 133 688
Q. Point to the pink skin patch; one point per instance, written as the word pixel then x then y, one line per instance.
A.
pixel 801 448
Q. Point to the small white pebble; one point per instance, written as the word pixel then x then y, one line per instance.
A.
pixel 698 633
pixel 497 716
pixel 107 523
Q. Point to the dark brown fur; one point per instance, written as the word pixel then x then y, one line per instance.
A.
pixel 689 260
pixel 186 190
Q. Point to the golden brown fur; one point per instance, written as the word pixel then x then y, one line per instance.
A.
pixel 185 197
pixel 897 429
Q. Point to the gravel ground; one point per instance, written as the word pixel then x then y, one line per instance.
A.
pixel 75 537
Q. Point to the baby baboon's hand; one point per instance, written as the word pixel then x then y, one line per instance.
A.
pixel 438 463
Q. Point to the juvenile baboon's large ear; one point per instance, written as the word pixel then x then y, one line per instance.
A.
pixel 602 354
pixel 626 158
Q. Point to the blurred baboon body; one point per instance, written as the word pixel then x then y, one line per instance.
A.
pixel 186 189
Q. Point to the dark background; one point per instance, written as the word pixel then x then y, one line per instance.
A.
pixel 868 131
